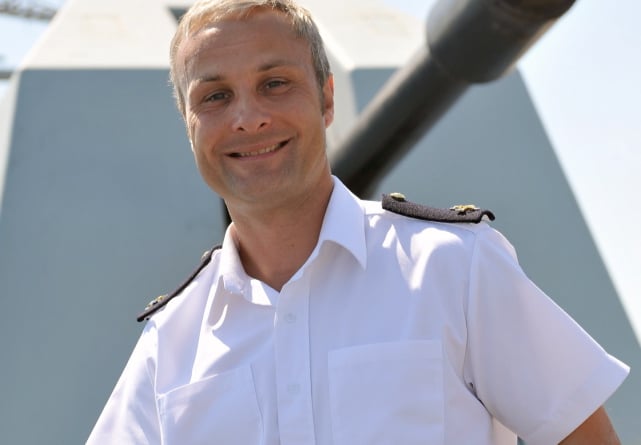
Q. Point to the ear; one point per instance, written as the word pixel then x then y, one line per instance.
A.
pixel 328 100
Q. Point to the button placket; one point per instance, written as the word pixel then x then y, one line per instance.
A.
pixel 292 363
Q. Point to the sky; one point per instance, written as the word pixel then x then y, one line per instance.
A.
pixel 18 35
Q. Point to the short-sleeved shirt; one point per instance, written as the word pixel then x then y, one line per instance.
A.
pixel 394 331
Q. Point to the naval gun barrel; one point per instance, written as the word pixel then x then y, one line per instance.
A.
pixel 468 41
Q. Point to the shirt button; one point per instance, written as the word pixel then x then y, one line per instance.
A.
pixel 293 388
pixel 290 318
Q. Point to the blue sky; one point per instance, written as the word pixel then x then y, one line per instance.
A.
pixel 18 35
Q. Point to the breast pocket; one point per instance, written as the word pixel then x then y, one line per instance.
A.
pixel 388 393
pixel 221 409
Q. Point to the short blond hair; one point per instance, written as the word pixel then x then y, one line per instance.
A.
pixel 204 13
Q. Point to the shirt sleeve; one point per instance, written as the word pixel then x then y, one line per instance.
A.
pixel 130 415
pixel 533 367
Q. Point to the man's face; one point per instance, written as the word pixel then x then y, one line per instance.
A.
pixel 254 114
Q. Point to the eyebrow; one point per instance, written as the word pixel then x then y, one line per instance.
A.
pixel 208 78
pixel 275 64
pixel 261 69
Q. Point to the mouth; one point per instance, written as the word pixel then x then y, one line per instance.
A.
pixel 259 152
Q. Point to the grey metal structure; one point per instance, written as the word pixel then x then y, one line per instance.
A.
pixel 102 209
pixel 467 42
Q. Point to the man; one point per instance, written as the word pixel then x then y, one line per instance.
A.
pixel 324 319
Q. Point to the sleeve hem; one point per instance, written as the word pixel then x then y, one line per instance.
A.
pixel 581 403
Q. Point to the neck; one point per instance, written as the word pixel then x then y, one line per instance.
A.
pixel 274 243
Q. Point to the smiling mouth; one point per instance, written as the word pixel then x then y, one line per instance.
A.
pixel 262 151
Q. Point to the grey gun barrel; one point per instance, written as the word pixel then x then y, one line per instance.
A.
pixel 468 41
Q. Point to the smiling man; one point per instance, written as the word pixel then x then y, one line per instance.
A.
pixel 256 116
pixel 325 319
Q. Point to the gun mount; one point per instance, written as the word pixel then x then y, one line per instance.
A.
pixel 468 41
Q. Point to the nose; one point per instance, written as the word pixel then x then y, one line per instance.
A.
pixel 249 114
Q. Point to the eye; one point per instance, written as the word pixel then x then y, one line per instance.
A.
pixel 274 83
pixel 218 95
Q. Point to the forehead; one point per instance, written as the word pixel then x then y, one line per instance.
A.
pixel 261 34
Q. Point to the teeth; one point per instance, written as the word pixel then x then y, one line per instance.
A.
pixel 259 152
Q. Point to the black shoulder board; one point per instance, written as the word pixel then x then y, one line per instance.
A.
pixel 396 202
pixel 159 302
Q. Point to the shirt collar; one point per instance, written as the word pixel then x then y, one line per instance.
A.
pixel 343 225
pixel 233 275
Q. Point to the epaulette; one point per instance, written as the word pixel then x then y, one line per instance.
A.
pixel 159 302
pixel 468 213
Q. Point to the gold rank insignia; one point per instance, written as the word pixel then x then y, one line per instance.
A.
pixel 398 197
pixel 156 301
pixel 161 301
pixel 463 209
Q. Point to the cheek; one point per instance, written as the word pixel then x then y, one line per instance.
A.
pixel 200 137
pixel 203 140
pixel 205 127
pixel 205 167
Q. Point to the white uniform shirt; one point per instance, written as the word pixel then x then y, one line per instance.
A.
pixel 395 331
